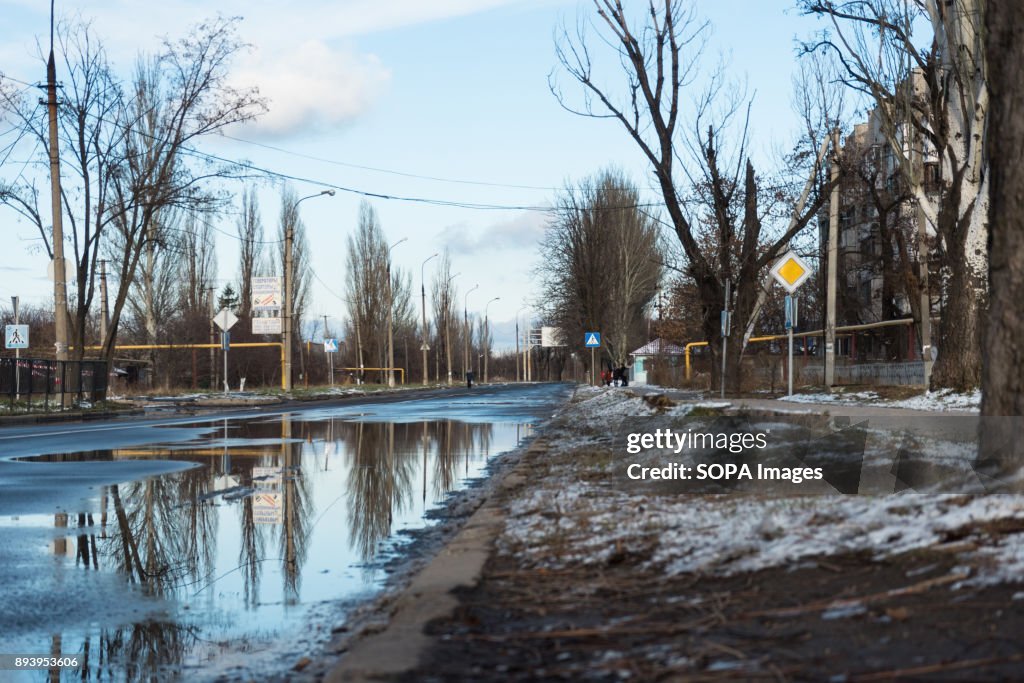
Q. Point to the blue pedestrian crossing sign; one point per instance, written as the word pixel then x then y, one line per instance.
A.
pixel 592 340
pixel 330 345
pixel 16 337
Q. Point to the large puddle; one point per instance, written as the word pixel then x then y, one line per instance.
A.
pixel 242 563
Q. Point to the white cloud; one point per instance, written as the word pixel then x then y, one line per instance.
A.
pixel 309 85
pixel 304 59
pixel 522 232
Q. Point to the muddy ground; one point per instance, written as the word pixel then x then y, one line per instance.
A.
pixel 903 623
pixel 848 617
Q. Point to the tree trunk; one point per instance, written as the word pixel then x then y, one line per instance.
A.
pixel 958 365
pixel 1003 371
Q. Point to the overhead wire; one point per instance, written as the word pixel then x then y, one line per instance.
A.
pixel 375 169
pixel 191 151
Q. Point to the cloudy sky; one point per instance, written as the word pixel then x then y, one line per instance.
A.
pixel 444 100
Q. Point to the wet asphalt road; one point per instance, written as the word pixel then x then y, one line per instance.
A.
pixel 186 546
pixel 28 487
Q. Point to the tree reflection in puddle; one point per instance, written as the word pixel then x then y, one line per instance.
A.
pixel 223 560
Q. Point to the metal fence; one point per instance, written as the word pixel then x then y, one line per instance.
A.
pixel 34 379
pixel 905 373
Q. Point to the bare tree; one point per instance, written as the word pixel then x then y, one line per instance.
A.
pixel 197 268
pixel 290 221
pixel 128 157
pixel 250 237
pixel 91 123
pixel 442 297
pixel 180 96
pixel 660 56
pixel 151 295
pixel 895 254
pixel 933 98
pixel 366 283
pixel 601 263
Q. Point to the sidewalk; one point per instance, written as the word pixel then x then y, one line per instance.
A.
pixel 561 574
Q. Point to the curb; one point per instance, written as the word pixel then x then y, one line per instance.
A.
pixel 80 416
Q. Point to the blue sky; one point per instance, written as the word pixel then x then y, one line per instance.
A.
pixel 453 89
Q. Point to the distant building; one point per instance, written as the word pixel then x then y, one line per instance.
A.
pixel 878 242
pixel 658 356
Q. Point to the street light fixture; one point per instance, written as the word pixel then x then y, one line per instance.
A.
pixel 391 317
pixel 423 294
pixel 465 320
pixel 289 237
pixel 487 335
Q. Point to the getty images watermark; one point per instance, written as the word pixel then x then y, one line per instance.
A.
pixel 815 454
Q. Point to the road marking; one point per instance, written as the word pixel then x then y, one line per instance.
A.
pixel 71 431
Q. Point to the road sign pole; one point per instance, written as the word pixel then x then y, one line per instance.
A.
pixel 833 269
pixel 593 368
pixel 790 324
pixel 17 353
pixel 790 361
pixel 725 329
pixel 224 345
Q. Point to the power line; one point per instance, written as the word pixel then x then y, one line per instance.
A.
pixel 375 169
pixel 364 193
pixel 6 77
pixel 351 190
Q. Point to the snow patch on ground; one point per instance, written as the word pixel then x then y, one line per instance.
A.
pixel 577 513
pixel 597 407
pixel 731 534
pixel 942 400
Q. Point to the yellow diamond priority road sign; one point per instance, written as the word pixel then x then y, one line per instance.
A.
pixel 791 271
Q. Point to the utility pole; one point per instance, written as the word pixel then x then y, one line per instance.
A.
pixel 286 366
pixel 517 347
pixel 104 307
pixel 527 356
pixel 391 318
pixel 391 326
pixel 926 301
pixel 60 296
pixel 330 356
pixel 359 344
pixel 289 286
pixel 833 268
pixel 447 324
pixel 423 296
pixel 726 328
pixel 17 352
pixel 517 344
pixel 487 336
pixel 465 321
pixel 213 339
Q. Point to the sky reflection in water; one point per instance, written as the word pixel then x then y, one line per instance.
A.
pixel 224 565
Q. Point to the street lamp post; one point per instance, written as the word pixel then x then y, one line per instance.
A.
pixel 330 356
pixel 391 319
pixel 465 320
pixel 517 340
pixel 447 322
pixel 289 237
pixel 487 336
pixel 423 294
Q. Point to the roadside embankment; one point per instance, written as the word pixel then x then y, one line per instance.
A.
pixel 569 571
